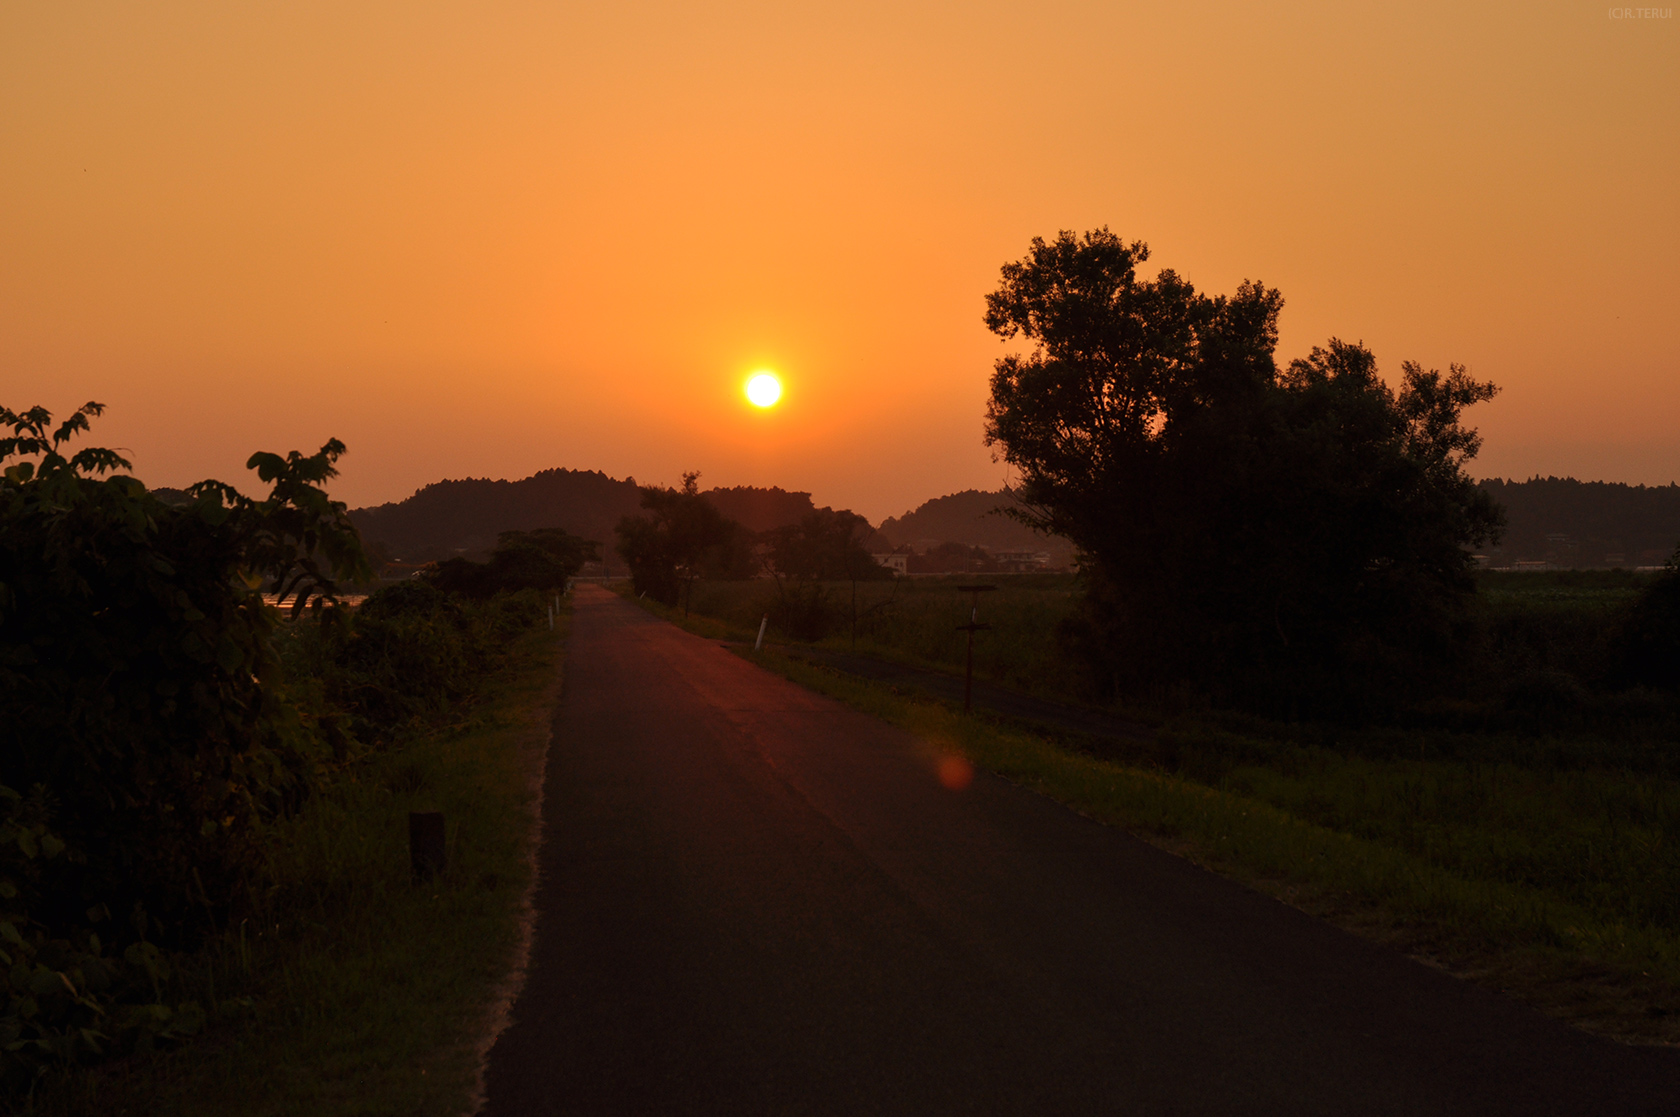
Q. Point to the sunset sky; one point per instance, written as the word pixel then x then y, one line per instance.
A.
pixel 487 239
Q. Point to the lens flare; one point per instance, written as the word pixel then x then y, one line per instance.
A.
pixel 764 389
pixel 955 772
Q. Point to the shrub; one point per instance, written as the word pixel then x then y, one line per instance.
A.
pixel 148 733
pixel 803 611
pixel 407 655
pixel 1649 642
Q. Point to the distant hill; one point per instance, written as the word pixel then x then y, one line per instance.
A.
pixel 1586 523
pixel 1558 520
pixel 450 518
pixel 1551 519
pixel 969 518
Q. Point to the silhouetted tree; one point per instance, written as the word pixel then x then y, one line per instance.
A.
pixel 1262 532
pixel 544 559
pixel 683 539
pixel 825 545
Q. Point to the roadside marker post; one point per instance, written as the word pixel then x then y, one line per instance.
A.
pixel 427 851
pixel 971 628
pixel 762 625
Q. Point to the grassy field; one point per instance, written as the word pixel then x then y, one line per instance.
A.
pixel 1538 862
pixel 359 991
pixel 915 619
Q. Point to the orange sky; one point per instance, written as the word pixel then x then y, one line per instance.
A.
pixel 485 239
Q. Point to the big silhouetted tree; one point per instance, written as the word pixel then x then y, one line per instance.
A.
pixel 1266 533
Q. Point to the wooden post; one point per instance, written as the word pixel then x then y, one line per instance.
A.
pixel 971 628
pixel 968 673
pixel 425 844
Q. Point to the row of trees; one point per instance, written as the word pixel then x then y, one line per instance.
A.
pixel 682 538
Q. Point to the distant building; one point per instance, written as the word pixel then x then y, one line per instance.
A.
pixel 1021 561
pixel 897 563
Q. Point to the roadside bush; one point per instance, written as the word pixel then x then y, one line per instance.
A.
pixel 1648 645
pixel 405 657
pixel 148 732
pixel 803 611
pixel 66 999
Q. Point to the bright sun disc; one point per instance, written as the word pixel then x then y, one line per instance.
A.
pixel 764 389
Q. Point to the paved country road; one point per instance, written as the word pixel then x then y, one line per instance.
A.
pixel 756 901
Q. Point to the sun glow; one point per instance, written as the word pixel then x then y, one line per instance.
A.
pixel 763 389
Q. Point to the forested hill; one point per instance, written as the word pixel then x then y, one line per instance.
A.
pixel 1586 523
pixel 1550 519
pixel 455 517
pixel 968 517
pixel 463 517
pixel 1560 520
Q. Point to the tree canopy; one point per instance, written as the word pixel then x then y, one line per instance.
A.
pixel 682 538
pixel 1259 529
pixel 544 559
pixel 824 545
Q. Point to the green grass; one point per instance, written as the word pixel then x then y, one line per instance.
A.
pixel 1536 863
pixel 359 991
pixel 915 620
pixel 1486 872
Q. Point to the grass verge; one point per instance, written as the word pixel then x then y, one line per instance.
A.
pixel 363 992
pixel 1614 977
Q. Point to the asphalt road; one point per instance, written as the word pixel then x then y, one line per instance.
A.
pixel 754 900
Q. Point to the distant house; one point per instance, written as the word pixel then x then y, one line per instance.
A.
pixel 1021 560
pixel 897 563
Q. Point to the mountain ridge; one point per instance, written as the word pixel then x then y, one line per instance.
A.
pixel 1562 521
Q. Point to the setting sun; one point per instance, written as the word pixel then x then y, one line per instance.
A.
pixel 764 389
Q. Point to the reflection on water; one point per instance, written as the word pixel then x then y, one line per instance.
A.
pixel 350 599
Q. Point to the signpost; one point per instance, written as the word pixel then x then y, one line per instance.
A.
pixel 971 628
